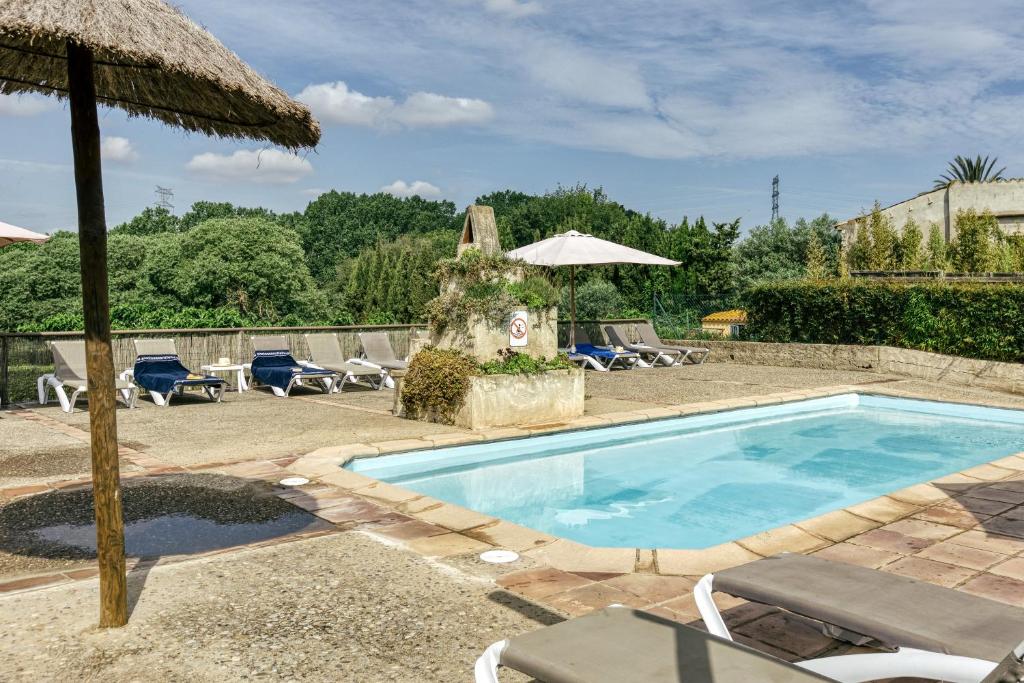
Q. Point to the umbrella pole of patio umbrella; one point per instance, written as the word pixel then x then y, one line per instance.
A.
pixel 92 241
pixel 572 308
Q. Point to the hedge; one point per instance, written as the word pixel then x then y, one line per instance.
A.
pixel 961 319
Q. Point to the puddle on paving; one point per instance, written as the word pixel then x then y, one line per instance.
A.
pixel 176 514
pixel 182 534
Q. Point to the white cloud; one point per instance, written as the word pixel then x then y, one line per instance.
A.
pixel 118 149
pixel 428 109
pixel 313 192
pixel 586 77
pixel 268 166
pixel 514 8
pixel 337 103
pixel 25 105
pixel 400 188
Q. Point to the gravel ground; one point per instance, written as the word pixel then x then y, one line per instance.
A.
pixel 627 390
pixel 21 441
pixel 256 425
pixel 341 608
pixel 215 498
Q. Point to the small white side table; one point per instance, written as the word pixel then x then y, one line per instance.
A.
pixel 240 383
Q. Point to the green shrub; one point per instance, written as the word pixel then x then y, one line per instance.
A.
pixel 962 319
pixel 596 299
pixel 436 383
pixel 513 362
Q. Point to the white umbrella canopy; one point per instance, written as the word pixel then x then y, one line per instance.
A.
pixel 9 234
pixel 577 249
pixel 573 249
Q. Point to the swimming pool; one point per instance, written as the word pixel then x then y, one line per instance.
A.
pixel 695 482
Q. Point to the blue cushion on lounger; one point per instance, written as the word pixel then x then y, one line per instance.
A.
pixel 595 351
pixel 276 368
pixel 163 373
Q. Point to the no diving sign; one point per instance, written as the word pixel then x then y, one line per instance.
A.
pixel 517 329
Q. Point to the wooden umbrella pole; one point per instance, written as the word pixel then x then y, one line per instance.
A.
pixel 92 241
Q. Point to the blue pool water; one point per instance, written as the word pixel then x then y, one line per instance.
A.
pixel 694 482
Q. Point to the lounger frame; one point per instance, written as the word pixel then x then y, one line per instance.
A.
pixel 48 381
pixel 906 661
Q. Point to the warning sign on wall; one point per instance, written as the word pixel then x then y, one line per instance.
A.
pixel 517 328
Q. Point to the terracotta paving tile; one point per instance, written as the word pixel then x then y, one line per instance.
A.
pixel 409 530
pixel 1001 588
pixel 962 555
pixel 510 536
pixel 837 525
pixel 939 573
pixel 1001 494
pixel 598 576
pixel 31 582
pixel 785 539
pixel 686 605
pixel 23 490
pixel 454 517
pixel 1014 513
pixel 981 539
pixel 79 574
pixel 700 562
pixel 919 494
pixel 883 509
pixel 579 601
pixel 319 499
pixel 951 516
pixel 988 472
pixel 858 554
pixel 388 493
pixel 1005 526
pixel 892 541
pixel 346 479
pixel 1012 568
pixel 651 588
pixel 744 613
pixel 447 544
pixel 541 582
pixel 921 529
pixel 981 505
pixel 570 556
pixel 1011 484
pixel 767 649
pixel 787 632
pixel 358 510
pixel 411 507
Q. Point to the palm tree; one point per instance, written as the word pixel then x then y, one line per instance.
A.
pixel 969 171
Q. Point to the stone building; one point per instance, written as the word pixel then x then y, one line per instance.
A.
pixel 1004 198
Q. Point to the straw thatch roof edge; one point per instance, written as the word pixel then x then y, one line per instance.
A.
pixel 150 60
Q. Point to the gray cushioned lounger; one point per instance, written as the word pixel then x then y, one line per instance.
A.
pixel 893 609
pixel 619 644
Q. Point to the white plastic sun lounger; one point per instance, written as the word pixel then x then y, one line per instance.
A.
pixel 274 365
pixel 69 372
pixel 166 352
pixel 864 605
pixel 619 644
pixel 694 354
pixel 651 355
pixel 325 352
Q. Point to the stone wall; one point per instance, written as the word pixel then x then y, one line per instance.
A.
pixel 509 400
pixel 1005 199
pixel 482 340
pixel 885 360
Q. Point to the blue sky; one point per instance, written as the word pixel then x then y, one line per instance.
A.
pixel 674 107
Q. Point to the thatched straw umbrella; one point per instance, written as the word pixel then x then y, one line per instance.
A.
pixel 147 58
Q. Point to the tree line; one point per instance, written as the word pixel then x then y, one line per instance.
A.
pixel 358 258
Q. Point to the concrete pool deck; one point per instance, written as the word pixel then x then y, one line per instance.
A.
pixel 964 531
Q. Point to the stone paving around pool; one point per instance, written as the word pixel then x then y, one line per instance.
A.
pixel 964 531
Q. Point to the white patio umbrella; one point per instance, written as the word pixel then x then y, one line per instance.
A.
pixel 9 234
pixel 577 249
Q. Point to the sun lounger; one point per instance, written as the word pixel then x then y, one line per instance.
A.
pixel 648 336
pixel 617 336
pixel 863 605
pixel 604 356
pixel 273 365
pixel 69 372
pixel 325 352
pixel 377 351
pixel 619 644
pixel 159 371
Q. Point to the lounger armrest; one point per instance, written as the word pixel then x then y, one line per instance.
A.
pixel 907 662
